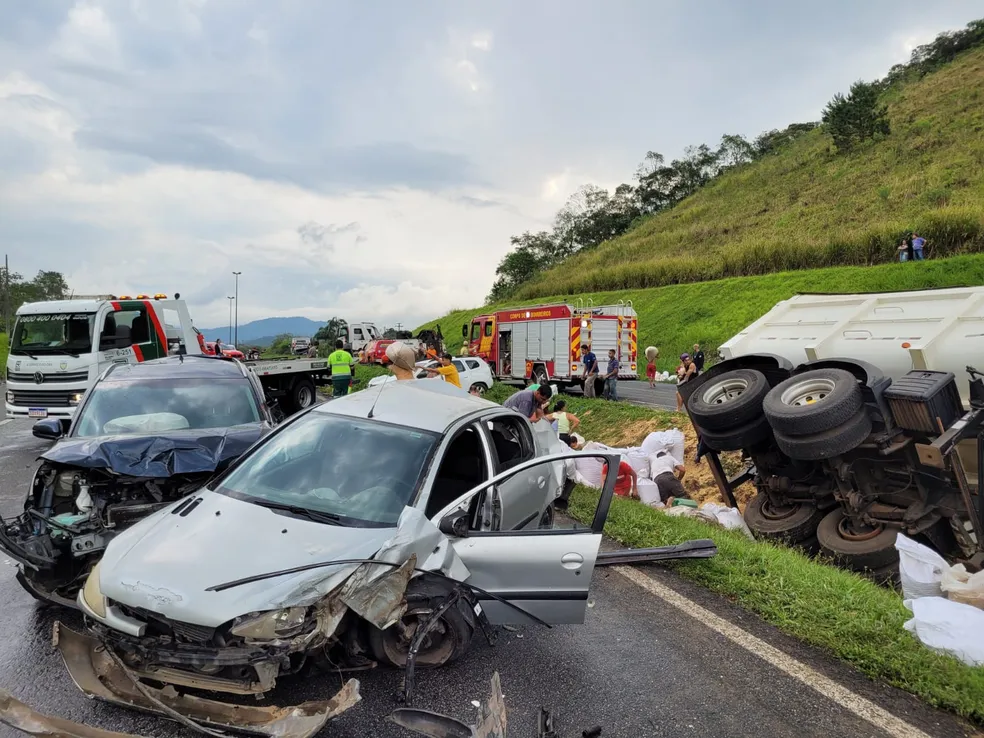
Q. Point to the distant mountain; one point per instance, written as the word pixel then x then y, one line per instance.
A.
pixel 262 332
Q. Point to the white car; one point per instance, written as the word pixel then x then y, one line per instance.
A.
pixel 471 373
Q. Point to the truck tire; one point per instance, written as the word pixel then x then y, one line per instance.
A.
pixel 302 395
pixel 739 437
pixel 872 550
pixel 813 402
pixel 796 523
pixel 540 375
pixel 828 443
pixel 731 399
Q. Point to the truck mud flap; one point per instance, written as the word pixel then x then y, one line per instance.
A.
pixel 101 676
pixel 703 548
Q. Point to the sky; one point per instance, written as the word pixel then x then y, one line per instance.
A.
pixel 371 160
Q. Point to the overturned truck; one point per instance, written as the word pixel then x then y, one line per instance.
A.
pixel 858 418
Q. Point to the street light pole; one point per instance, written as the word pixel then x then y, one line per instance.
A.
pixel 231 298
pixel 236 342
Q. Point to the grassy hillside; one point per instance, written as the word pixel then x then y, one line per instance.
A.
pixel 809 207
pixel 677 316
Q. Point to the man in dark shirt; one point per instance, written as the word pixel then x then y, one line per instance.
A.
pixel 590 362
pixel 530 402
pixel 611 376
pixel 698 358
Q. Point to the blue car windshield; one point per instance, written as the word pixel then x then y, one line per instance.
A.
pixel 357 472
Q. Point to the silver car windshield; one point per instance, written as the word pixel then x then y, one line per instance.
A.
pixel 161 405
pixel 358 472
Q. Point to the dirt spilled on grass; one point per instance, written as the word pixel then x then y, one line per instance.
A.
pixel 699 482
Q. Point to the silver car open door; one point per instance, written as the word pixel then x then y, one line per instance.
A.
pixel 546 568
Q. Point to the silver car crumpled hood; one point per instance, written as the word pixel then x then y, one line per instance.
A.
pixel 166 563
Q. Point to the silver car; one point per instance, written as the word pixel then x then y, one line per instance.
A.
pixel 394 521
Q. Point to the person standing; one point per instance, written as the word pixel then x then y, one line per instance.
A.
pixel 340 366
pixel 651 373
pixel 685 372
pixel 698 358
pixel 590 363
pixel 446 369
pixel 401 361
pixel 917 246
pixel 611 377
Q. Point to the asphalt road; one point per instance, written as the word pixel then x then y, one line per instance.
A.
pixel 637 667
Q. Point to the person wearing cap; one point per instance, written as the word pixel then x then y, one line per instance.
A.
pixel 685 372
pixel 401 360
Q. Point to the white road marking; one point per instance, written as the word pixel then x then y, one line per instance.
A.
pixel 844 697
pixel 8 420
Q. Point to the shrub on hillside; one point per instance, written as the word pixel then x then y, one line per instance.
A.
pixel 857 117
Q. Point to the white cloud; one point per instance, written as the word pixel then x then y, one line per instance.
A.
pixel 482 41
pixel 88 37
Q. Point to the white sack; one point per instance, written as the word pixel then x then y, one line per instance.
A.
pixel 671 441
pixel 920 569
pixel 961 586
pixel 639 462
pixel 649 493
pixel 727 517
pixel 949 627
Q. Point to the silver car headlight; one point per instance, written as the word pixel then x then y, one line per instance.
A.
pixel 271 625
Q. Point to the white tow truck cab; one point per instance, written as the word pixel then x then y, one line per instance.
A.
pixel 58 348
pixel 357 335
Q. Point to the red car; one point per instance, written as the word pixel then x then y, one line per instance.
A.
pixel 375 351
pixel 230 351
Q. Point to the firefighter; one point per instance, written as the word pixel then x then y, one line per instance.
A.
pixel 340 365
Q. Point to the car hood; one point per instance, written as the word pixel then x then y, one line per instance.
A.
pixel 158 456
pixel 167 562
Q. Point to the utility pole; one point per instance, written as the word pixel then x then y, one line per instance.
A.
pixel 399 326
pixel 236 342
pixel 231 298
pixel 6 295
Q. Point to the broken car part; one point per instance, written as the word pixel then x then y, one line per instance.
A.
pixel 101 676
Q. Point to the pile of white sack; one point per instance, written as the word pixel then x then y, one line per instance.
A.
pixel 947 602
pixel 588 472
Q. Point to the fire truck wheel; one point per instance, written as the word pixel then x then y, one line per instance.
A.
pixel 859 549
pixel 813 402
pixel 540 375
pixel 729 400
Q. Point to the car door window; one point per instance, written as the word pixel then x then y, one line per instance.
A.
pixel 458 365
pixel 464 465
pixel 544 569
pixel 471 363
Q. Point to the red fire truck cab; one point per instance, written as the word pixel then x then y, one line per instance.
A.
pixel 542 343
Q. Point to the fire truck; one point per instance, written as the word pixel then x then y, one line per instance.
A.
pixel 542 343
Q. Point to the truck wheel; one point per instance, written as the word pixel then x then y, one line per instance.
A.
pixel 448 640
pixel 859 549
pixel 540 376
pixel 795 523
pixel 302 395
pixel 813 402
pixel 828 443
pixel 735 439
pixel 734 398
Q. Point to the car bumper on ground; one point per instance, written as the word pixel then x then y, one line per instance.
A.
pixel 102 676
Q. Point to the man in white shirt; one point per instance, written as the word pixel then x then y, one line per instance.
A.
pixel 668 474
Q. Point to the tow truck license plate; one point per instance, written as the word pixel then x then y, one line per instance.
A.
pixel 37 412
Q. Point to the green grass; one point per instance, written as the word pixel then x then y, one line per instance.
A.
pixel 4 350
pixel 809 207
pixel 677 316
pixel 836 611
